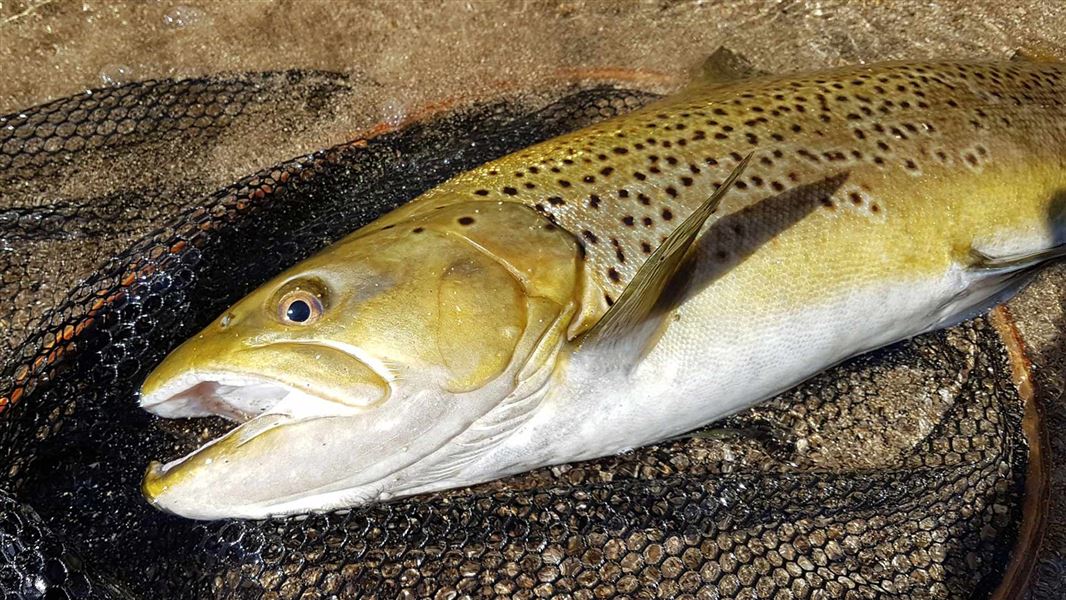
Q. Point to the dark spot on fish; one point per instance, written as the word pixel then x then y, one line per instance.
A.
pixel 466 220
pixel 594 201
pixel 623 193
pixel 613 274
pixel 418 229
pixel 591 237
pixel 609 299
pixel 645 247
pixel 628 220
pixel 510 191
pixel 555 200
pixel 671 191
pixel 856 198
pixel 606 171
pixel 644 199
pixel 667 215
pixel 529 185
pixel 686 181
pixel 620 150
pixel 482 192
pixel 647 221
pixel 639 175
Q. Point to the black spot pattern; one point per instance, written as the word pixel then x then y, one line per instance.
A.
pixel 902 122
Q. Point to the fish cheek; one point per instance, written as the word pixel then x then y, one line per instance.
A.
pixel 481 318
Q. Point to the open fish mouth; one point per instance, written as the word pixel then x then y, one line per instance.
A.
pixel 233 396
pixel 253 402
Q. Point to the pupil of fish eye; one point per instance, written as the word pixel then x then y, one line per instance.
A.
pixel 298 311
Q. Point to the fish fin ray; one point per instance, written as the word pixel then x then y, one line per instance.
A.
pixel 639 300
pixel 984 262
pixel 993 280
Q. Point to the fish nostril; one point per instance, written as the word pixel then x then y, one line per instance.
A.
pixel 225 321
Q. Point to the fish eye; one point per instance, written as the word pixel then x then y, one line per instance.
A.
pixel 299 307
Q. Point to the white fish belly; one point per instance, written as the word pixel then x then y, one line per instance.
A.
pixel 718 358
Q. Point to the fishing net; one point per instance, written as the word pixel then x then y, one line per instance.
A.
pixel 896 475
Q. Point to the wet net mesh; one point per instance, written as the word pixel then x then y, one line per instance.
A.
pixel 896 475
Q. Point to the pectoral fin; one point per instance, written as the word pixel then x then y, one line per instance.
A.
pixel 635 316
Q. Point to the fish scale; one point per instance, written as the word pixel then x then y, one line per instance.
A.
pixel 624 284
pixel 624 184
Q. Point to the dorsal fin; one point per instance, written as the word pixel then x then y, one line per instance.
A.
pixel 632 319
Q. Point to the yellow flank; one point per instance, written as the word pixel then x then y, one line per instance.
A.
pixel 889 171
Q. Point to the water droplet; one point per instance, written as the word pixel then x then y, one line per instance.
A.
pixel 115 75
pixel 183 15
pixel 394 111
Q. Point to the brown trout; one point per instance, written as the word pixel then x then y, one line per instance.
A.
pixel 609 288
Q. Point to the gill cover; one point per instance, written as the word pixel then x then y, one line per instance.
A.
pixel 352 371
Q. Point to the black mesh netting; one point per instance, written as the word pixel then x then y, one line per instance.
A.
pixel 895 475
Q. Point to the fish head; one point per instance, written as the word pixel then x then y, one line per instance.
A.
pixel 352 374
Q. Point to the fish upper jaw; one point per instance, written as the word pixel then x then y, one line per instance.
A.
pixel 237 397
pixel 233 396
